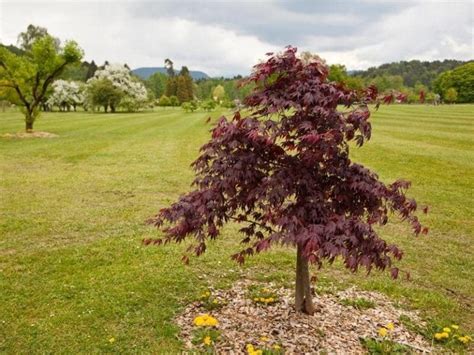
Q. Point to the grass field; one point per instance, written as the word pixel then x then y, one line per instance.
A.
pixel 73 273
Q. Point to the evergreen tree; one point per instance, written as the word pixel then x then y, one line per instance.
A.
pixel 188 83
pixel 181 91
pixel 171 86
pixel 91 70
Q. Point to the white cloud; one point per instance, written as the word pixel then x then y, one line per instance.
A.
pixel 427 31
pixel 227 38
pixel 106 32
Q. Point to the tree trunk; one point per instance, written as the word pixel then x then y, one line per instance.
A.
pixel 29 119
pixel 29 126
pixel 303 297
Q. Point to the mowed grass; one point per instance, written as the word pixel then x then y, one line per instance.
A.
pixel 73 272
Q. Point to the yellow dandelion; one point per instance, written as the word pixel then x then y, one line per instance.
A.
pixel 215 302
pixel 454 326
pixel 445 335
pixel 383 332
pixel 264 339
pixel 447 330
pixel 276 347
pixel 112 340
pixel 390 326
pixel 207 341
pixel 438 336
pixel 271 299
pixel 205 320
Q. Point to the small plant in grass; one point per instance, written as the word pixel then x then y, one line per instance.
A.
pixel 206 333
pixel 209 302
pixel 274 349
pixel 451 336
pixel 206 338
pixel 375 346
pixel 384 344
pixel 262 295
pixel 358 303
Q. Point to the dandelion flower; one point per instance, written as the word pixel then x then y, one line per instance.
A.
pixel 390 326
pixel 207 340
pixel 112 340
pixel 438 336
pixel 454 326
pixel 447 330
pixel 205 320
pixel 465 339
pixel 383 332
pixel 276 347
pixel 264 339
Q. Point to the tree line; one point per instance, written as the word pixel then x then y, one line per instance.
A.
pixel 42 73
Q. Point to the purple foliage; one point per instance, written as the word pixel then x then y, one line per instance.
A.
pixel 284 172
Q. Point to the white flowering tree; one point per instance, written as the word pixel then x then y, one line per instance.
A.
pixel 66 95
pixel 113 87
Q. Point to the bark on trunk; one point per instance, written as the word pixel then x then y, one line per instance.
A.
pixel 303 297
pixel 29 126
pixel 29 122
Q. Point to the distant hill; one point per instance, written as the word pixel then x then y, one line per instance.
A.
pixel 412 71
pixel 144 73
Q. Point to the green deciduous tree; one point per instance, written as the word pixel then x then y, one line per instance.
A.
pixel 451 95
pixel 103 93
pixel 208 105
pixel 461 79
pixel 33 33
pixel 218 93
pixel 189 106
pixel 388 82
pixel 174 101
pixel 156 83
pixel 337 73
pixel 30 76
pixel 164 101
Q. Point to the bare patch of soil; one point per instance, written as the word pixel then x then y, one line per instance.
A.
pixel 35 134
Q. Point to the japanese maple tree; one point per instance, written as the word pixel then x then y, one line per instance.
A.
pixel 284 172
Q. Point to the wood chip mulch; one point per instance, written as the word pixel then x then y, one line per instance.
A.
pixel 334 328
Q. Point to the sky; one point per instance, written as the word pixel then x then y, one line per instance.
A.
pixel 229 37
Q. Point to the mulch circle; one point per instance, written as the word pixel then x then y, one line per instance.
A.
pixel 334 328
pixel 35 134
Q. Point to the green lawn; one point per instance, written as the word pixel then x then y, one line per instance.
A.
pixel 73 273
